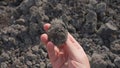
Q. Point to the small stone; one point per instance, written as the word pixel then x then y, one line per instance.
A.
pixel 29 63
pixel 33 29
pixel 101 7
pixel 97 61
pixel 117 62
pixel 5 56
pixel 2 3
pixel 22 58
pixel 57 32
pixel 110 64
pixel 115 46
pixel 93 2
pixel 4 17
pixel 91 16
pixel 35 48
pixel 20 21
pixel 42 65
pixel 31 56
pixel 24 66
pixel 49 65
pixel 3 65
pixel 37 65
pixel 111 25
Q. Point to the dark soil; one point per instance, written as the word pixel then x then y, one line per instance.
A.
pixel 95 24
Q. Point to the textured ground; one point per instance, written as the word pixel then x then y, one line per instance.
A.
pixel 95 24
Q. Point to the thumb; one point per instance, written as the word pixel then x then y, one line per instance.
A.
pixel 52 51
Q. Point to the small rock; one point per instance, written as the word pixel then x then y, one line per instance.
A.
pixel 42 65
pixel 21 59
pixel 117 62
pixel 5 56
pixel 101 7
pixel 57 32
pixel 3 3
pixel 110 64
pixel 4 17
pixel 30 56
pixel 111 25
pixel 35 48
pixel 93 2
pixel 33 29
pixel 3 65
pixel 49 65
pixel 115 46
pixel 91 16
pixel 97 61
pixel 29 63
pixel 20 21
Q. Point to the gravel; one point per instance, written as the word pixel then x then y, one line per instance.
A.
pixel 95 24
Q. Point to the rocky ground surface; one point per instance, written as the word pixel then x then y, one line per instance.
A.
pixel 95 24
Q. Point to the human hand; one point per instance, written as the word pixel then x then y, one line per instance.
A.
pixel 69 55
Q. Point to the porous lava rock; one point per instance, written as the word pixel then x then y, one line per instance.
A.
pixel 57 32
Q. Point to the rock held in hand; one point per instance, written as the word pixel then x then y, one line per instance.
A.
pixel 57 33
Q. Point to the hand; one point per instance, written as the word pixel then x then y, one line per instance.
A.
pixel 69 55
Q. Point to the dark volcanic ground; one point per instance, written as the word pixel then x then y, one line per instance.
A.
pixel 94 23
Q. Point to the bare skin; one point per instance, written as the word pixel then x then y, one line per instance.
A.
pixel 69 55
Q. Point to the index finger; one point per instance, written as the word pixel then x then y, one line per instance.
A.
pixel 46 26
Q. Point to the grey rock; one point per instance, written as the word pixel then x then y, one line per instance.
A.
pixel 20 21
pixel 93 2
pixel 29 63
pixel 91 16
pixel 49 65
pixel 35 48
pixel 101 7
pixel 30 56
pixel 115 46
pixel 98 62
pixel 24 6
pixel 57 32
pixel 117 62
pixel 111 25
pixel 5 56
pixel 42 65
pixel 3 65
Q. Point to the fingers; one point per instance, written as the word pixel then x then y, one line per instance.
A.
pixel 53 51
pixel 44 38
pixel 46 26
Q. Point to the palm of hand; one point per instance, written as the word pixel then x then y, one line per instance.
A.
pixel 63 59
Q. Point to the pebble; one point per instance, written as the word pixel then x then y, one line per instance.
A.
pixel 30 56
pixel 117 62
pixel 35 48
pixel 111 25
pixel 29 63
pixel 20 21
pixel 101 7
pixel 3 65
pixel 91 16
pixel 42 65
pixel 5 56
pixel 98 61
pixel 115 46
